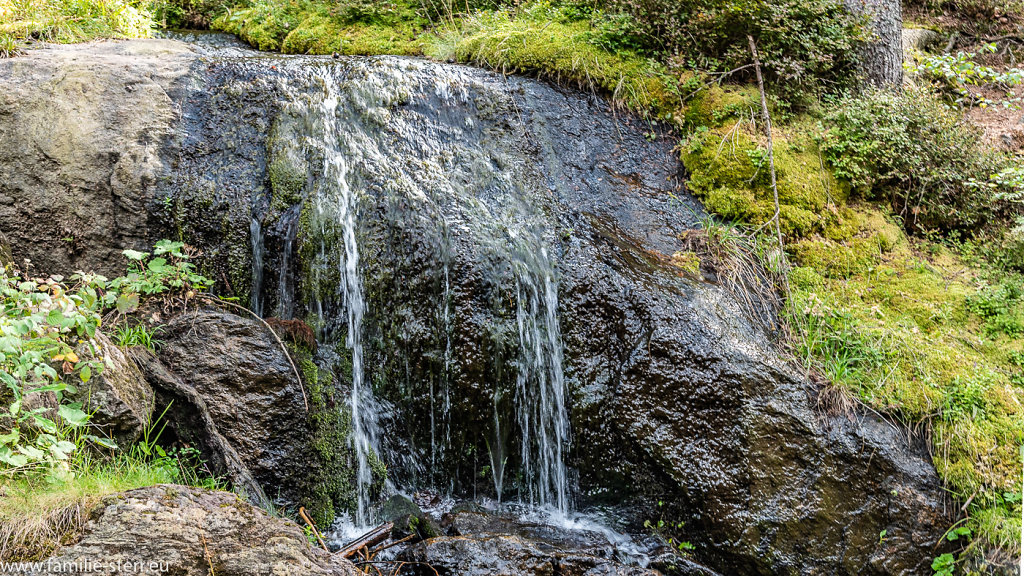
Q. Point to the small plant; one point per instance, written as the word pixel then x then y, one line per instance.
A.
pixel 166 271
pixel 137 335
pixel 959 74
pixel 668 533
pixel 1002 307
pixel 944 565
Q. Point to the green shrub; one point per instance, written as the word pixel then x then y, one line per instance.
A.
pixel 188 14
pixel 963 77
pixel 803 43
pixel 1001 307
pixel 911 150
pixel 48 342
pixel 65 21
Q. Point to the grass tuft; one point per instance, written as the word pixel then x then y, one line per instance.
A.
pixel 67 21
pixel 41 512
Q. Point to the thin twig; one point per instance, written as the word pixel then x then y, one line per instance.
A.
pixel 380 549
pixel 206 551
pixel 768 131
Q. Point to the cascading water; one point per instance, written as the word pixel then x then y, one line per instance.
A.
pixel 258 248
pixel 419 148
pixel 540 385
pixel 335 207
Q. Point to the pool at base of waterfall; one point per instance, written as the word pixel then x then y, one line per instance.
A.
pixel 483 536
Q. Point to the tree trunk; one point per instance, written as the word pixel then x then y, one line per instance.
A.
pixel 882 56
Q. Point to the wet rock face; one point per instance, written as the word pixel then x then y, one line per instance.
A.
pixel 478 542
pixel 85 137
pixel 232 391
pixel 190 532
pixel 473 189
pixel 510 555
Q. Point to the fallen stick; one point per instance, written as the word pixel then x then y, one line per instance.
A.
pixel 380 549
pixel 302 513
pixel 371 538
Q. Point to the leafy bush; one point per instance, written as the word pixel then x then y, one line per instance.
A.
pixel 42 324
pixel 48 340
pixel 915 152
pixel 1000 306
pixel 959 73
pixel 65 21
pixel 188 14
pixel 806 43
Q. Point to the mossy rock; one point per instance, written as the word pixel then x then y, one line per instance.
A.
pixel 714 106
pixel 332 479
pixel 729 170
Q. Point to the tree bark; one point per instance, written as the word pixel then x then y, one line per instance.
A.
pixel 882 56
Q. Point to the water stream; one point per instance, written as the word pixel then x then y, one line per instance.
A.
pixel 353 129
pixel 336 205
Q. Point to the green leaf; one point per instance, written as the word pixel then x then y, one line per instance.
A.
pixel 135 255
pixel 127 303
pixel 11 459
pixel 105 442
pixel 158 265
pixel 45 423
pixel 55 317
pixel 32 452
pixel 72 414
pixel 11 438
pixel 61 449
pixel 85 374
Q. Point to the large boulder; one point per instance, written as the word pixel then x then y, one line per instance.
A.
pixel 118 397
pixel 84 141
pixel 190 532
pixel 229 387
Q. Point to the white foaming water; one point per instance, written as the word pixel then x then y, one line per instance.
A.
pixel 336 200
pixel 258 248
pixel 620 546
pixel 540 385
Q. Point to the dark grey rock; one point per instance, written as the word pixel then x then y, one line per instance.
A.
pixel 509 555
pixel 85 136
pixel 118 397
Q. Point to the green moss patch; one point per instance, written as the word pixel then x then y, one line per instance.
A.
pixel 896 322
pixel 729 170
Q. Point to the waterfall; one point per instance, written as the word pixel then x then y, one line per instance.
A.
pixel 285 297
pixel 336 204
pixel 410 143
pixel 540 385
pixel 256 237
